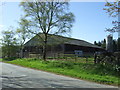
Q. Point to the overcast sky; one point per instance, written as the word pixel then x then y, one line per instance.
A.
pixel 90 19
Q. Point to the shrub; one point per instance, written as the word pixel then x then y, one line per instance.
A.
pixel 109 59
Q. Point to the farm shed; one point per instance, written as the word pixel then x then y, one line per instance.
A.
pixel 59 45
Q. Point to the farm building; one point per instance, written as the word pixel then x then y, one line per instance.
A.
pixel 59 45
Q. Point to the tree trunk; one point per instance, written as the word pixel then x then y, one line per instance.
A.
pixel 21 51
pixel 8 53
pixel 45 48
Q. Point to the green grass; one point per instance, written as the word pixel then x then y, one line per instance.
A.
pixel 87 71
pixel 0 59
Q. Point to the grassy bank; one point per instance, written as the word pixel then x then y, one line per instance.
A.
pixel 86 71
pixel 0 59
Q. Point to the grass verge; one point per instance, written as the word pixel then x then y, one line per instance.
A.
pixel 87 71
pixel 0 59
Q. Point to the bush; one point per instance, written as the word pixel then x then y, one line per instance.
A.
pixel 109 59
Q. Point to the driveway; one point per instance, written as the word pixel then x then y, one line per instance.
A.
pixel 14 76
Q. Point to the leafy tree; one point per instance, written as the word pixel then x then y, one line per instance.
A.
pixel 48 17
pixel 118 44
pixel 23 34
pixel 101 43
pixel 9 48
pixel 114 45
pixel 113 9
pixel 95 43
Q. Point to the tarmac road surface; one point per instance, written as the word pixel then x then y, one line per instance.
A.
pixel 14 76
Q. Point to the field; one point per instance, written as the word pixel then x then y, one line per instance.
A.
pixel 77 69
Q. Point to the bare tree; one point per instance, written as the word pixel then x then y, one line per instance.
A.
pixel 48 17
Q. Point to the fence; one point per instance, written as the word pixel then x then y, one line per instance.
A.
pixel 72 57
pixel 66 57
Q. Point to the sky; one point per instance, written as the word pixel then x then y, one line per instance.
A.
pixel 90 19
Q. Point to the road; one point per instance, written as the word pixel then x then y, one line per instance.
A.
pixel 14 76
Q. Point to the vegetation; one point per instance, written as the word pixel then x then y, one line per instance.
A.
pixel 12 42
pixel 1 60
pixel 47 17
pixel 88 71
pixel 9 44
pixel 101 43
pixel 116 44
pixel 23 34
pixel 113 9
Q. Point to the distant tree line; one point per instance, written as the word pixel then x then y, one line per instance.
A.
pixel 102 43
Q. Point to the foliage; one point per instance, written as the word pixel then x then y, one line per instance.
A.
pixel 93 72
pixel 9 51
pixel 109 59
pixel 113 9
pixel 9 42
pixel 47 17
pixel 101 43
pixel 23 34
pixel 116 44
pixel 22 31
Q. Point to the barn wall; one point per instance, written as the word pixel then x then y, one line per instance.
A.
pixel 53 51
pixel 70 49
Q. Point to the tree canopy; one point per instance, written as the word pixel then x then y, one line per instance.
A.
pixel 9 42
pixel 113 9
pixel 48 17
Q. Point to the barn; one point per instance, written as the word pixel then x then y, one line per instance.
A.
pixel 59 45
